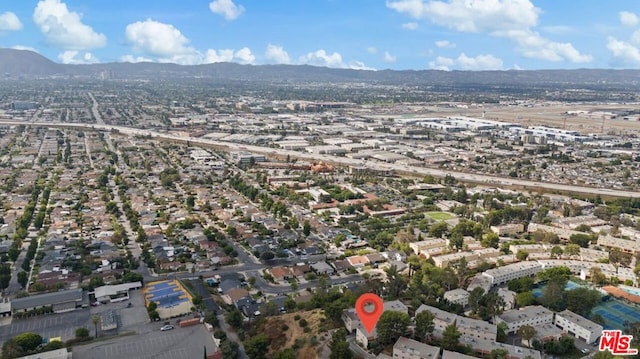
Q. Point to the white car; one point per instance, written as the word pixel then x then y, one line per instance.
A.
pixel 166 327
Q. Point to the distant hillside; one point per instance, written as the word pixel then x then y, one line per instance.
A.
pixel 26 63
pixel 30 64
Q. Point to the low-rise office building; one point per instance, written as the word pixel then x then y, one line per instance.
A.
pixel 58 302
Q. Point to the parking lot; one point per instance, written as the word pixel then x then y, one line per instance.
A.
pixel 49 326
pixel 187 342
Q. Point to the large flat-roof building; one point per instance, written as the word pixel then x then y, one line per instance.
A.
pixel 484 347
pixel 579 326
pixel 60 302
pixel 457 296
pixel 504 274
pixel 469 327
pixel 115 293
pixel 532 315
pixel 406 348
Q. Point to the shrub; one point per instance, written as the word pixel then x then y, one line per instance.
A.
pixel 303 323
pixel 296 317
pixel 82 333
pixel 284 327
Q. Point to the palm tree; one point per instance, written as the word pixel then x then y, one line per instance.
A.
pixel 95 320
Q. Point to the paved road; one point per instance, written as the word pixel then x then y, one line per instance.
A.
pixel 419 171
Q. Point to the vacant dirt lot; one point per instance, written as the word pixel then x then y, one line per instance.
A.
pixel 284 330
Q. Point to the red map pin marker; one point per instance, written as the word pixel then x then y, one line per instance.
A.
pixel 368 316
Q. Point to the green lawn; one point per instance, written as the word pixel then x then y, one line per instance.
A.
pixel 441 216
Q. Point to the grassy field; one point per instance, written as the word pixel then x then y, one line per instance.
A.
pixel 440 216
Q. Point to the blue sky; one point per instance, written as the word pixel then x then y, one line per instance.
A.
pixel 365 34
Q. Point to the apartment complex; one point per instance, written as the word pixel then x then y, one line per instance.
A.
pixel 504 274
pixel 469 327
pixel 579 326
pixel 406 348
pixel 533 315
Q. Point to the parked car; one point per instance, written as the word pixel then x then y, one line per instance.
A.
pixel 166 327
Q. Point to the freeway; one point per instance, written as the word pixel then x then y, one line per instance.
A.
pixel 416 171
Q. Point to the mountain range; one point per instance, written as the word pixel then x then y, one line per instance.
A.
pixel 29 64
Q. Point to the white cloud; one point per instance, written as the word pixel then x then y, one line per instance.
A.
pixel 134 59
pixel 628 19
pixel 165 43
pixel 624 51
pixel 388 57
pixel 442 63
pixel 64 28
pixel 359 65
pixel 157 39
pixel 277 55
pixel 9 22
pixel 244 56
pixel 410 25
pixel 21 47
pixel 372 50
pixel 511 19
pixel 322 58
pixel 213 56
pixel 226 8
pixel 77 57
pixel 464 62
pixel 445 44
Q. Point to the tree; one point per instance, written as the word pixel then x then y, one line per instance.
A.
pixel 451 337
pixel 525 298
pixel 597 318
pixel 522 255
pixel 572 250
pixel 424 325
pixel 95 320
pixel 490 240
pixel 211 317
pixel 234 318
pixel 553 296
pixel 581 239
pixel 23 278
pixel 461 270
pixel 559 275
pixel 456 240
pixel 229 349
pixel 257 347
pixel 28 341
pixel 597 277
pixel 493 305
pixel 556 251
pixel 582 300
pixel 438 229
pixel 396 282
pixel 527 333
pixel 82 332
pixel 474 298
pixel 391 326
pixel 339 346
pixel 306 228
pixel 499 354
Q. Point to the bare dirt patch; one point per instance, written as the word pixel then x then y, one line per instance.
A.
pixel 285 331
